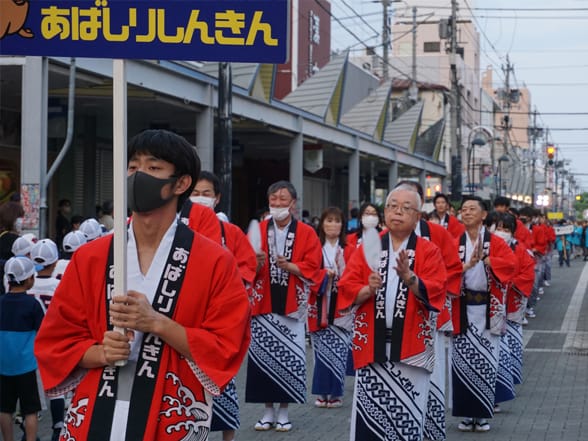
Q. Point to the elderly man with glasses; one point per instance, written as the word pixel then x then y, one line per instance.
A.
pixel 393 342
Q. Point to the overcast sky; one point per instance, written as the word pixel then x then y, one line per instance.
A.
pixel 549 51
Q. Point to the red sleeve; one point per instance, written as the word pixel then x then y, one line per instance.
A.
pixel 503 262
pixel 430 270
pixel 539 238
pixel 455 227
pixel 310 255
pixel 77 317
pixel 450 255
pixel 523 235
pixel 525 278
pixel 351 240
pixel 204 221
pixel 238 244
pixel 353 279
pixel 219 337
pixel 347 252
pixel 551 235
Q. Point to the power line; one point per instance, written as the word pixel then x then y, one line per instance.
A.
pixel 360 41
pixel 361 18
pixel 500 57
pixel 563 66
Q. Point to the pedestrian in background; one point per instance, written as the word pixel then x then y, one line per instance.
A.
pixel 11 220
pixel 563 245
pixel 62 221
pixel 106 220
pixel 369 217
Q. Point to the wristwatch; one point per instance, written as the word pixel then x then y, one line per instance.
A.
pixel 412 279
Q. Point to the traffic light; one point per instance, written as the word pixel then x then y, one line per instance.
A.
pixel 579 197
pixel 550 154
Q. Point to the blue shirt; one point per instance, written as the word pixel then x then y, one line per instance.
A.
pixel 20 318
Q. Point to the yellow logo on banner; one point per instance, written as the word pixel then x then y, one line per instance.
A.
pixel 555 215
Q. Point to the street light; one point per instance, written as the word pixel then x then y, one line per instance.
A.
pixel 477 141
pixel 502 159
pixel 481 136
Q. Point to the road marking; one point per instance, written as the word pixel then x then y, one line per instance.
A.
pixel 570 321
pixel 576 340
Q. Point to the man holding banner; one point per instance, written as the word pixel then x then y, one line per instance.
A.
pixel 182 344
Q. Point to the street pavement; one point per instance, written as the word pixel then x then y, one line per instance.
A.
pixel 551 404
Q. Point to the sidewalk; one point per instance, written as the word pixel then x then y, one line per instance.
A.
pixel 552 402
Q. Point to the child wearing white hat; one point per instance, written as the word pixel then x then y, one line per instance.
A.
pixel 45 254
pixel 71 242
pixel 20 319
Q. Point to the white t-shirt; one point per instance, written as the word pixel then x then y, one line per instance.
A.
pixel 43 290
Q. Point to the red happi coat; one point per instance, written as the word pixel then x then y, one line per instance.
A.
pixel 352 243
pixel 503 266
pixel 540 236
pixel 212 307
pixel 443 239
pixel 237 243
pixel 454 226
pixel 522 283
pixel 416 340
pixel 523 235
pixel 307 255
pixel 202 220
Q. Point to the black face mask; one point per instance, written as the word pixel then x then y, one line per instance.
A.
pixel 144 192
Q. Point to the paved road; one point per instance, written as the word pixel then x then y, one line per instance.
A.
pixel 552 402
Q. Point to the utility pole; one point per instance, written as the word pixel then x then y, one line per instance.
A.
pixel 224 156
pixel 414 90
pixel 506 103
pixel 456 172
pixel 385 41
pixel 535 132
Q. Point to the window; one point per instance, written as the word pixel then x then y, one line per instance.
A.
pixel 432 46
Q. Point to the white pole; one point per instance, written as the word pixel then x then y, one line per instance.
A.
pixel 119 171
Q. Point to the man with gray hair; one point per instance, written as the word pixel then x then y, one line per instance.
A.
pixel 435 426
pixel 394 330
pixel 291 257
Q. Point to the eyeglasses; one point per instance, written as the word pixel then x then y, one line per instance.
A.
pixel 404 209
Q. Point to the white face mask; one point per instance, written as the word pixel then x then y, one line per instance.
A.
pixel 280 213
pixel 18 224
pixel 506 236
pixel 370 221
pixel 204 200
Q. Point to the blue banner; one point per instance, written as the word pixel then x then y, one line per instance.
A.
pixel 203 30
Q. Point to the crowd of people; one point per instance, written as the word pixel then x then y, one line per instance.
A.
pixel 380 296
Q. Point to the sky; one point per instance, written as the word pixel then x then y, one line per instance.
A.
pixel 548 48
